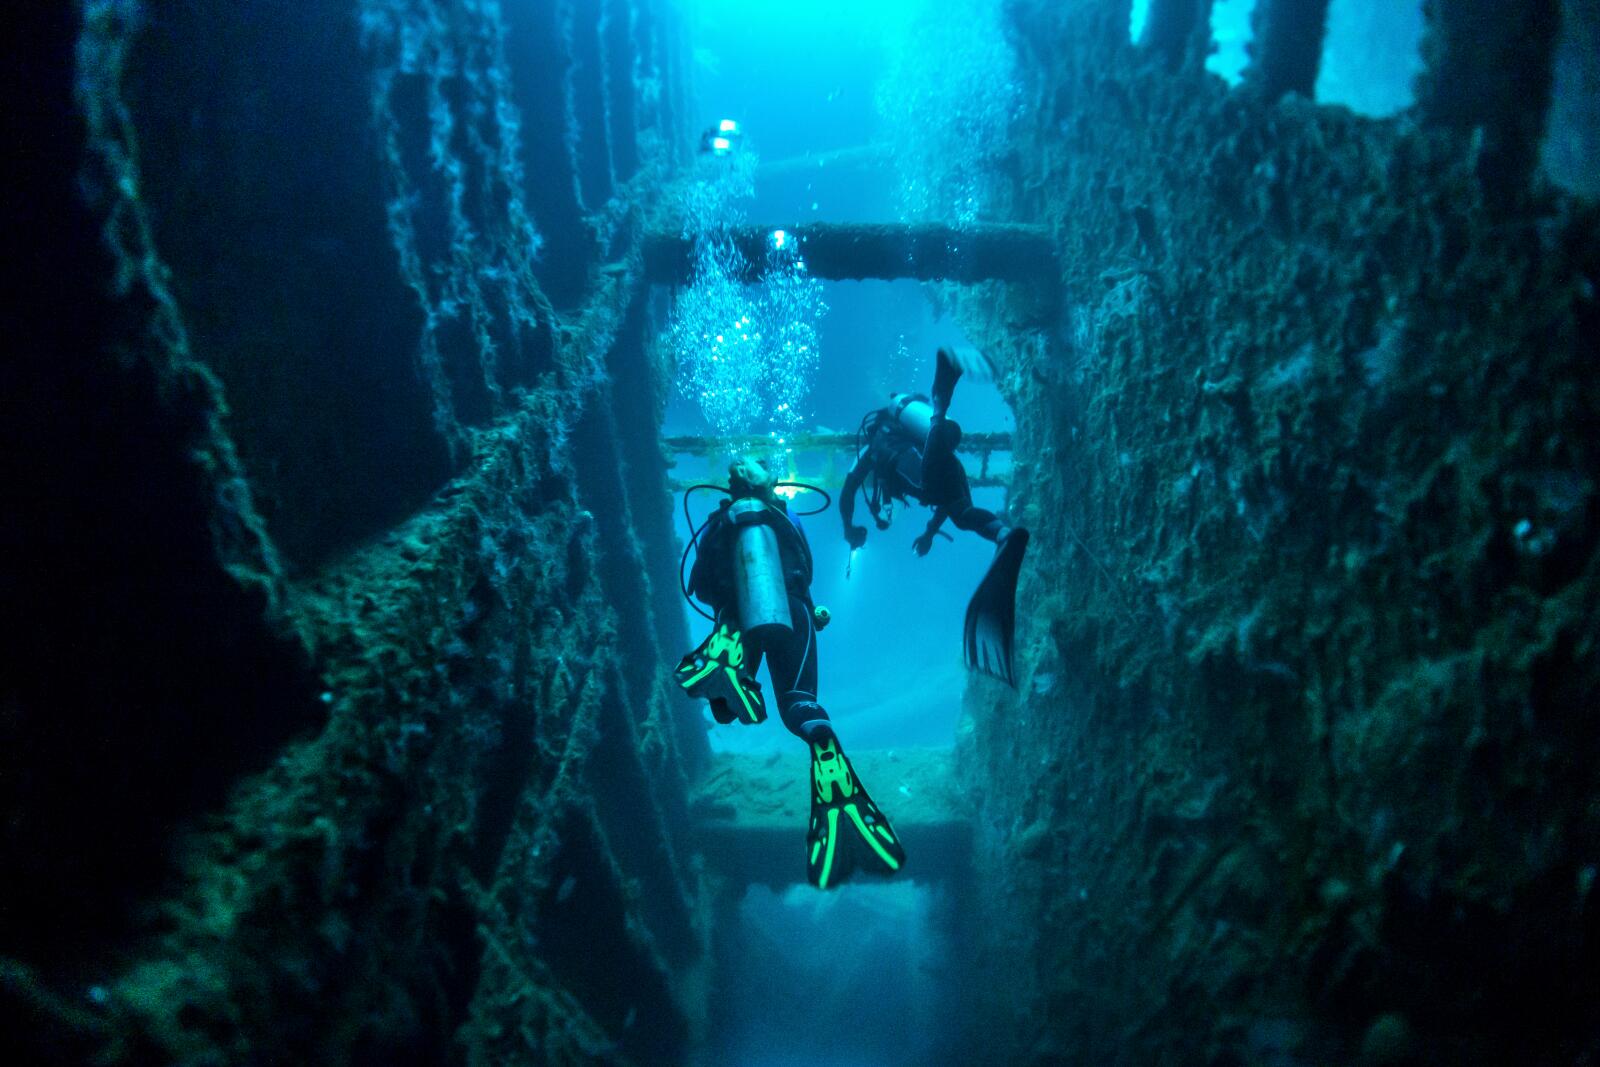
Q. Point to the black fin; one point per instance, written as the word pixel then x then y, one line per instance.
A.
pixel 992 611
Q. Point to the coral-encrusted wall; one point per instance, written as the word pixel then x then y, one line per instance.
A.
pixel 338 733
pixel 337 548
pixel 1302 768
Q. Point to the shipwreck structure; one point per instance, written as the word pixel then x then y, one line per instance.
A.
pixel 334 715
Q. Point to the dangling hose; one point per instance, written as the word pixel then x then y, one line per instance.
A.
pixel 827 499
pixel 694 539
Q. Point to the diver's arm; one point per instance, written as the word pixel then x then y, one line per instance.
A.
pixel 855 535
pixel 923 543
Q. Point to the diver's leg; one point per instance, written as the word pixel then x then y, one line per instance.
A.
pixel 847 831
pixel 940 467
pixel 950 491
pixel 792 667
pixel 981 521
pixel 752 647
pixel 943 478
pixel 946 373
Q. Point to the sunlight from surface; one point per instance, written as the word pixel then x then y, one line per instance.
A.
pixel 1230 36
pixel 1371 56
pixel 1138 16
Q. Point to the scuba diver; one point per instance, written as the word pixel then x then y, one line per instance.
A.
pixel 907 451
pixel 753 569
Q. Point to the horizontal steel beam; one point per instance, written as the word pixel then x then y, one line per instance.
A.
pixel 999 441
pixel 974 481
pixel 852 251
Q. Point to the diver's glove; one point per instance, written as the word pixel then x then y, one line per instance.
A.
pixel 856 536
pixel 924 541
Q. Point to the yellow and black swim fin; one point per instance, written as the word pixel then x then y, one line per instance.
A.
pixel 848 832
pixel 715 672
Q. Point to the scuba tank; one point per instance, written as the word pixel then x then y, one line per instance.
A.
pixel 914 414
pixel 758 569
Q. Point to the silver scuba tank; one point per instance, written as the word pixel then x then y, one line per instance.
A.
pixel 915 416
pixel 758 570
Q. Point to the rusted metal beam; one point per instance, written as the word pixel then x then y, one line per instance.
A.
pixel 1490 66
pixel 974 481
pixel 867 155
pixel 746 813
pixel 851 251
pixel 1178 30
pixel 998 441
pixel 1286 46
pixel 982 445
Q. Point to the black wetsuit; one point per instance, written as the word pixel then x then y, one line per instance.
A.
pixel 928 472
pixel 902 467
pixel 792 658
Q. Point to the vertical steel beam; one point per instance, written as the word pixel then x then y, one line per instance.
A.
pixel 1179 31
pixel 1489 69
pixel 1286 49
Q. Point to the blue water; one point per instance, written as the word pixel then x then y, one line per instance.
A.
pixel 890 663
pixel 860 975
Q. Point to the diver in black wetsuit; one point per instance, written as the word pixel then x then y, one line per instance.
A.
pixel 907 451
pixel 753 570
pixel 790 648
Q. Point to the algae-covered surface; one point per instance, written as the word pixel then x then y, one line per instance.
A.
pixel 385 773
pixel 1303 737
pixel 336 723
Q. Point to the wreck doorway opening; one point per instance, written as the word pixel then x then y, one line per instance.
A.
pixel 847 170
pixel 895 679
pixel 892 679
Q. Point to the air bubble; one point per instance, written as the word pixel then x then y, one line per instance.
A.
pixel 760 370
